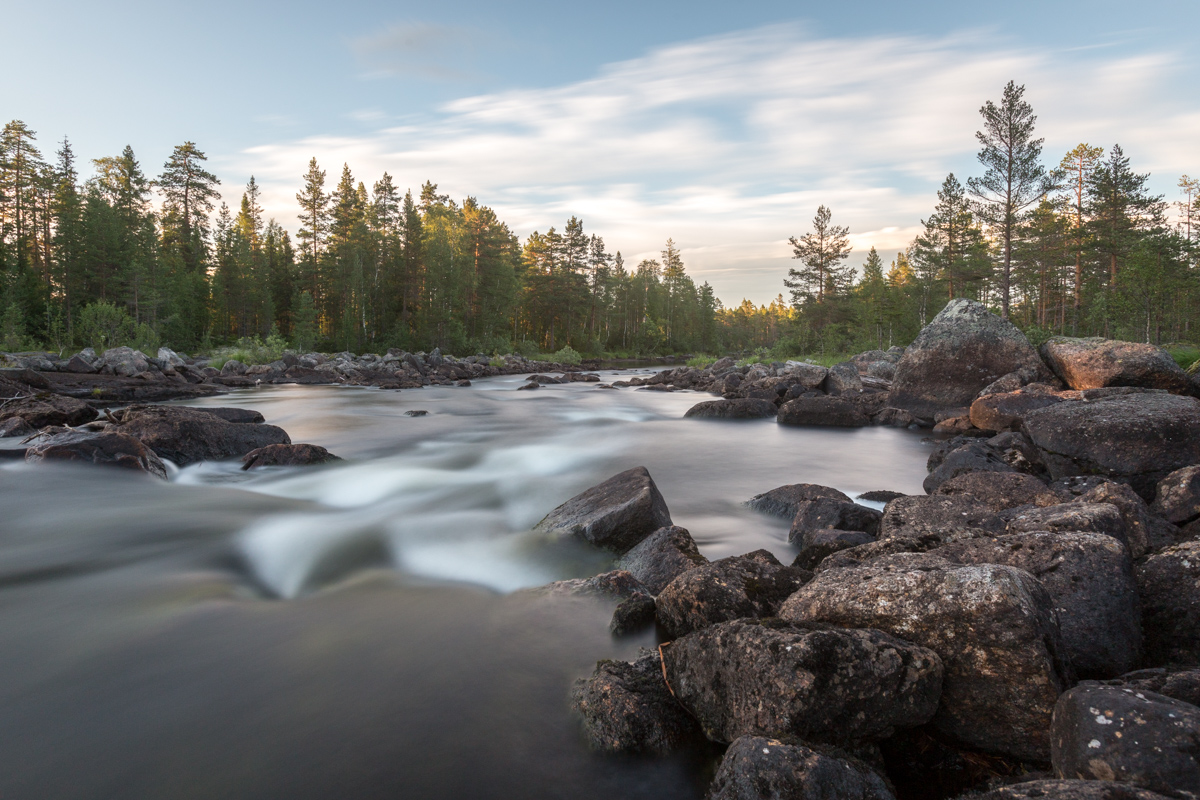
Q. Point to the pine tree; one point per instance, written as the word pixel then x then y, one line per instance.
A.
pixel 314 219
pixel 1076 167
pixel 821 252
pixel 952 246
pixel 68 233
pixel 190 191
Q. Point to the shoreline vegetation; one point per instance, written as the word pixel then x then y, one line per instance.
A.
pixel 129 258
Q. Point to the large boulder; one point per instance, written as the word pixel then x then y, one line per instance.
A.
pixel 1140 738
pixel 614 515
pixel 817 545
pixel 662 557
pixel 1177 496
pixel 972 457
pixel 837 412
pixel 762 768
pixel 1072 518
pixel 826 514
pixel 998 490
pixel 843 378
pixel 287 455
pixel 1003 411
pixel 42 410
pixel 937 514
pixel 105 448
pixel 993 626
pixel 803 374
pixel 125 361
pixel 785 501
pixel 1169 584
pixel 1096 363
pixel 769 677
pixel 1139 437
pixel 961 351
pixel 627 708
pixel 187 435
pixel 1066 790
pixel 238 415
pixel 752 585
pixel 739 408
pixel 1144 531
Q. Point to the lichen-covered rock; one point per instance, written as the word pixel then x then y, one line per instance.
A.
pixel 993 626
pixel 1178 683
pixel 937 514
pixel 1095 363
pixel 843 378
pixel 817 545
pixel 808 376
pixel 1072 518
pixel 825 514
pixel 961 351
pixel 627 708
pixel 752 585
pixel 1066 790
pixel 769 677
pixel 762 768
pixel 1141 738
pixel 614 515
pixel 1004 411
pixel 837 412
pixel 1145 532
pixel 661 557
pixel 785 501
pixel 1169 584
pixel 1177 498
pixel 287 455
pixel 124 361
pixel 106 449
pixel 997 490
pixel 738 408
pixel 973 457
pixel 187 435
pixel 43 410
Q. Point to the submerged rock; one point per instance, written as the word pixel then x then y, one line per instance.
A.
pixel 287 455
pixel 831 411
pixel 762 768
pixel 615 515
pixel 785 501
pixel 187 435
pixel 740 408
pixel 107 449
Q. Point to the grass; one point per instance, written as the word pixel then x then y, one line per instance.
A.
pixel 1186 356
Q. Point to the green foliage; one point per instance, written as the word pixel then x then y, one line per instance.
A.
pixel 528 349
pixel 1185 355
pixel 251 350
pixel 565 356
pixel 703 360
pixel 12 330
pixel 102 325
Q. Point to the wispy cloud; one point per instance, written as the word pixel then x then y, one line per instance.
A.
pixel 446 52
pixel 728 144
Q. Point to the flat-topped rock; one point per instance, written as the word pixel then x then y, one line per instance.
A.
pixel 1095 363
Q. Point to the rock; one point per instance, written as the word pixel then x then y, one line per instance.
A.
pixel 1139 437
pixel 1097 363
pixel 952 425
pixel 740 408
pixel 1144 532
pixel 1169 585
pixel 961 351
pixel 993 626
pixel 617 586
pixel 1004 411
pixel 997 490
pixel 187 435
pixel 79 366
pixel 974 457
pixel 1067 790
pixel 169 356
pixel 416 412
pixel 723 365
pixel 809 376
pixel 287 455
pixel 785 501
pixel 661 557
pixel 1019 452
pixel 233 367
pixel 937 514
pixel 240 416
pixel 107 448
pixel 614 515
pixel 42 410
pixel 1176 683
pixel 822 514
pixel 879 496
pixel 627 708
pixel 633 614
pixel 1072 518
pixel 843 378
pixel 754 677
pixel 752 585
pixel 1140 738
pixel 816 546
pixel 1089 578
pixel 1177 496
pixel 529 386
pixel 15 426
pixel 761 768
pixel 125 361
pixel 832 411
pixel 894 418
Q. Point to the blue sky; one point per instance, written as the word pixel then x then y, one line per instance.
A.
pixel 721 125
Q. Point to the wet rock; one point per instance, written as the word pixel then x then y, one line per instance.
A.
pixel 740 408
pixel 785 501
pixel 842 379
pixel 41 410
pixel 529 387
pixel 187 435
pixel 1004 411
pixel 627 708
pixel 1178 683
pixel 752 585
pixel 1169 584
pixel 993 626
pixel 1067 790
pixel 1089 578
pixel 879 496
pixel 815 546
pixel 15 426
pixel 633 614
pixel 1127 736
pixel 306 376
pixel 831 411
pixel 997 490
pixel 106 449
pixel 761 768
pixel 961 351
pixel 974 457
pixel 824 513
pixel 240 416
pixel 894 418
pixel 936 514
pixel 1177 497
pixel 661 557
pixel 753 677
pixel 287 455
pixel 416 412
pixel 617 585
pixel 1096 363
pixel 614 515
pixel 1139 437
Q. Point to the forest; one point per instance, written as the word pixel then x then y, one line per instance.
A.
pixel 1081 247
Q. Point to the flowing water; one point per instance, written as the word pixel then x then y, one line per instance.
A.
pixel 350 630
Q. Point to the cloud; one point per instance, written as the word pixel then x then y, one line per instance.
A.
pixel 445 52
pixel 728 144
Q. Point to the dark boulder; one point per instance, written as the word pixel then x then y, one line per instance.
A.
pixel 843 378
pixel 614 515
pixel 15 426
pixel 1019 452
pixel 879 496
pixel 803 374
pixel 79 366
pixel 236 415
pixel 42 410
pixel 752 585
pixel 106 449
pixel 974 457
pixel 903 540
pixel 741 408
pixel 187 435
pixel 1145 532
pixel 998 490
pixel 1066 790
pixel 1072 518
pixel 894 418
pixel 1098 363
pixel 961 351
pixel 785 501
pixel 627 708
pixel 1177 496
pixel 764 677
pixel 635 613
pixel 1139 437
pixel 661 557
pixel 823 514
pixel 1141 738
pixel 1004 411
pixel 937 514
pixel 761 768
pixel 617 586
pixel 836 412
pixel 1178 683
pixel 1169 584
pixel 993 626
pixel 287 455
pixel 816 546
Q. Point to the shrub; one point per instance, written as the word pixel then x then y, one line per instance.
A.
pixel 528 349
pixel 566 356
pixel 12 329
pixel 103 325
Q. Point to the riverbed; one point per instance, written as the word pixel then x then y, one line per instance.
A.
pixel 351 630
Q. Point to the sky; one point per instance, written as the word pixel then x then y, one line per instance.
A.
pixel 720 125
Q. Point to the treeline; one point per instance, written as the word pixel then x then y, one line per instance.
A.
pixel 1082 248
pixel 125 257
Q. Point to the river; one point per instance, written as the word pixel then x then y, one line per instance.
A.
pixel 349 631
